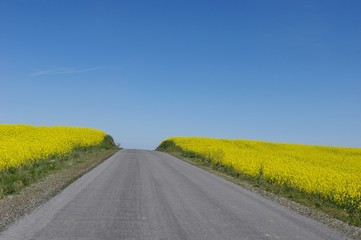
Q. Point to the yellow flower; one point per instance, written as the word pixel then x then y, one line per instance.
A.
pixel 332 172
pixel 21 144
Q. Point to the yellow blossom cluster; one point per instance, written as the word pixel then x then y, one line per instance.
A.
pixel 20 144
pixel 333 172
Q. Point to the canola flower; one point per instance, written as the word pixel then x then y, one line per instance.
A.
pixel 21 144
pixel 332 172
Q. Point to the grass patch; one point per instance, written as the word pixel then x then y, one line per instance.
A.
pixel 14 179
pixel 346 214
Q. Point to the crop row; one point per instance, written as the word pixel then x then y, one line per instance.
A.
pixel 21 144
pixel 332 172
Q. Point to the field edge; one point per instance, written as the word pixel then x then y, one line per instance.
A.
pixel 330 216
pixel 29 197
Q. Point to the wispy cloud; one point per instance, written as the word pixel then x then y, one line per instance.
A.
pixel 58 71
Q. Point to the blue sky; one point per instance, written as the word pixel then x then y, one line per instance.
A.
pixel 285 71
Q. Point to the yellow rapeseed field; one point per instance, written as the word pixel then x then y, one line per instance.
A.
pixel 333 172
pixel 20 144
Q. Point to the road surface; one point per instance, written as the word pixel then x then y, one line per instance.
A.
pixel 139 194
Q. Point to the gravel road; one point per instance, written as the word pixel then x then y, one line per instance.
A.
pixel 139 194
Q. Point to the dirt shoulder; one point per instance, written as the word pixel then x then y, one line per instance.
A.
pixel 351 231
pixel 14 206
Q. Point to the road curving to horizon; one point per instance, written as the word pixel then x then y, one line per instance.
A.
pixel 140 194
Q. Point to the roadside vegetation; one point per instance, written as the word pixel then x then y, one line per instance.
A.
pixel 29 154
pixel 324 178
